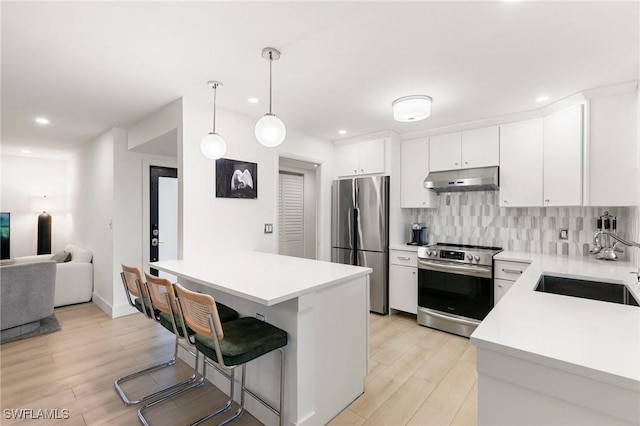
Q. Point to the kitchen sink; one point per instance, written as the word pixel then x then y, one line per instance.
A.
pixel 595 290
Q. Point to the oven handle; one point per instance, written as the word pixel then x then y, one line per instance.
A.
pixel 475 271
pixel 453 318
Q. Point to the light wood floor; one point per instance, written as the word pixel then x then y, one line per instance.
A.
pixel 417 376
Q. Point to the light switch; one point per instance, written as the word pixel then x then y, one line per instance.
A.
pixel 564 234
pixel 268 228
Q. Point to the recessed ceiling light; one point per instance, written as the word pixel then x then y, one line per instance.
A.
pixel 542 98
pixel 342 132
pixel 26 151
pixel 42 120
pixel 253 100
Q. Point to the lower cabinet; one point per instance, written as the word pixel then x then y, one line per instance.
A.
pixel 403 281
pixel 505 274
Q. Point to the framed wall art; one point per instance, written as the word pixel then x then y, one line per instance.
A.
pixel 236 179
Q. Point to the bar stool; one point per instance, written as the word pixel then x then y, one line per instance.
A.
pixel 231 345
pixel 136 287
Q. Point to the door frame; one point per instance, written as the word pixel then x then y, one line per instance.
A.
pixel 146 207
pixel 318 195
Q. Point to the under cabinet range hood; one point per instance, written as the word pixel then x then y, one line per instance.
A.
pixel 479 179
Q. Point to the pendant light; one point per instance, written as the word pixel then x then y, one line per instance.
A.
pixel 212 145
pixel 270 130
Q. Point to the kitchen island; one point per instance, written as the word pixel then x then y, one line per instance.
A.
pixel 552 359
pixel 323 306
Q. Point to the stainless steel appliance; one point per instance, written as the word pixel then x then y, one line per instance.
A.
pixel 478 179
pixel 418 235
pixel 455 286
pixel 360 231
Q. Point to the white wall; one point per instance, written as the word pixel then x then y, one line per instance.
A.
pixel 214 225
pixel 91 193
pixel 24 177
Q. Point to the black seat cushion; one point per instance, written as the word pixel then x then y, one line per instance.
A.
pixel 244 339
pixel 138 304
pixel 225 313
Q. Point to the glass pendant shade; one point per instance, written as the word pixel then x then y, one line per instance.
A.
pixel 412 108
pixel 270 131
pixel 213 146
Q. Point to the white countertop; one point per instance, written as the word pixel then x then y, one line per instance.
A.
pixel 600 340
pixel 264 278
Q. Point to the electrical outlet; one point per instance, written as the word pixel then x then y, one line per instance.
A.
pixel 268 228
pixel 564 234
pixel 260 316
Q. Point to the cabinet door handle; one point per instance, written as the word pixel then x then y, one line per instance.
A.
pixel 414 272
pixel 403 258
pixel 499 285
pixel 466 162
pixel 511 271
pixel 505 201
pixel 455 164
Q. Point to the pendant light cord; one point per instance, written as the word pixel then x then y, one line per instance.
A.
pixel 270 79
pixel 215 87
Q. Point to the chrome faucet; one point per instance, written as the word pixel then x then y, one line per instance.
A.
pixel 611 255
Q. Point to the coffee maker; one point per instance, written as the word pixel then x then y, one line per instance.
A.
pixel 418 235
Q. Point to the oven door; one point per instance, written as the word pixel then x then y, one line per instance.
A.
pixel 458 290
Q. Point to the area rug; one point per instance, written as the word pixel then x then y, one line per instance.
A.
pixel 47 325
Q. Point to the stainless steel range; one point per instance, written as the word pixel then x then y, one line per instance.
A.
pixel 455 286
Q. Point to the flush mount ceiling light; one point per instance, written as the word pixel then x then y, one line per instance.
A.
pixel 212 145
pixel 42 120
pixel 412 108
pixel 542 98
pixel 270 130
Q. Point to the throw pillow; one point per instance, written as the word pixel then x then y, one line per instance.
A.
pixel 61 257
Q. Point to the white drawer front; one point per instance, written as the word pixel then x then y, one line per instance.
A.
pixel 509 270
pixel 404 258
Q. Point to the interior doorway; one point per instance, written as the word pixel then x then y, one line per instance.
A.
pixel 163 216
pixel 297 208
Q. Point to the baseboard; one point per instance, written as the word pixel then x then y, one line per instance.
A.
pixel 122 310
pixel 102 304
pixel 113 311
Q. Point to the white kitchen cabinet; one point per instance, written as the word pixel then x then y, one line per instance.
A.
pixel 521 182
pixel 403 281
pixel 445 152
pixel 414 168
pixel 562 157
pixel 361 158
pixel 505 273
pixel 479 148
pixel 464 150
pixel 500 289
pixel 613 138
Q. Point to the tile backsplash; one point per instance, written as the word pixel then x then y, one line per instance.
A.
pixel 477 218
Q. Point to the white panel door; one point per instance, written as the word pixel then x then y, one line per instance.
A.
pixel 445 152
pixel 563 158
pixel 291 215
pixel 403 288
pixel 348 159
pixel 371 156
pixel 479 147
pixel 521 164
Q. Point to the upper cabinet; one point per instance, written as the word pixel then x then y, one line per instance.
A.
pixel 562 157
pixel 361 158
pixel 414 168
pixel 480 148
pixel 464 150
pixel 521 164
pixel 612 178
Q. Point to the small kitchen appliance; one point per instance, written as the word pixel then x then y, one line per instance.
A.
pixel 419 235
pixel 455 286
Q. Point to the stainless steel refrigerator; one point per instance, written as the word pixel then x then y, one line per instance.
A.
pixel 360 231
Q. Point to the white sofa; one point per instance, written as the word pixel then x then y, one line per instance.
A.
pixel 74 279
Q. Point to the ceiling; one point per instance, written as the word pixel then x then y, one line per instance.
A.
pixel 89 66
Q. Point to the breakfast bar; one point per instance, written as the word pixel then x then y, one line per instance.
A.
pixel 323 306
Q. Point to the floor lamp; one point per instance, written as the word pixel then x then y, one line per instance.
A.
pixel 44 205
